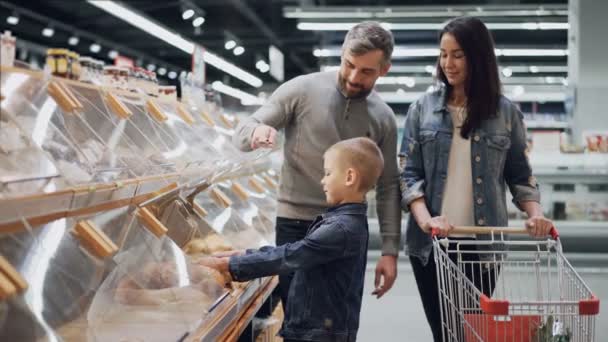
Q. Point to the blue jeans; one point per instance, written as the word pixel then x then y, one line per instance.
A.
pixel 288 230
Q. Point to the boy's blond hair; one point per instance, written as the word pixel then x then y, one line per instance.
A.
pixel 363 155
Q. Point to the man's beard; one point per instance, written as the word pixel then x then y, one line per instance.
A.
pixel 359 94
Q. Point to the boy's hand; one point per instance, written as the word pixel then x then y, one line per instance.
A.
pixel 218 263
pixel 386 273
pixel 228 253
pixel 263 136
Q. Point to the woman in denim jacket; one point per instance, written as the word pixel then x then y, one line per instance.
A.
pixel 461 144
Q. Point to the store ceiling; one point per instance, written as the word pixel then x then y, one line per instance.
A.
pixel 256 24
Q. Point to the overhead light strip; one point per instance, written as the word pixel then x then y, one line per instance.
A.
pixel 246 98
pixel 433 52
pixel 396 69
pixel 369 12
pixel 327 26
pixel 174 39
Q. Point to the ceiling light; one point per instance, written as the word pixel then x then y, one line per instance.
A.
pixel 151 67
pixel 48 32
pixel 264 68
pixel 162 71
pixel 345 26
pixel 260 64
pixel 403 51
pixel 189 13
pixel 246 98
pixel 198 21
pixel 95 48
pixel 172 75
pixel 113 54
pixel 230 45
pixel 73 40
pixel 534 69
pixel 429 69
pixel 183 74
pixel 13 19
pixel 507 72
pixel 176 40
pixel 239 50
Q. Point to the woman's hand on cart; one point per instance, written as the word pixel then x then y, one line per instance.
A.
pixel 539 226
pixel 437 226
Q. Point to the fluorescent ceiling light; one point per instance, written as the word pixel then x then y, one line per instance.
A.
pixel 198 21
pixel 230 45
pixel 189 13
pixel 531 52
pixel 48 32
pixel 176 40
pixel 151 67
pixel 172 75
pixel 95 48
pixel 327 26
pixel 419 69
pixel 246 98
pixel 239 50
pixel 12 19
pixel 162 71
pixel 73 40
pixel 368 12
pixel 113 54
pixel 507 72
pixel 433 52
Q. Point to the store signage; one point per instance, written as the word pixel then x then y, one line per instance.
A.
pixel 277 63
pixel 124 62
pixel 198 66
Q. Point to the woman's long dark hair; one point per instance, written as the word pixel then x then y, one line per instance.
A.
pixel 482 85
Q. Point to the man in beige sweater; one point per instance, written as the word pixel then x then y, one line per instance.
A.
pixel 317 110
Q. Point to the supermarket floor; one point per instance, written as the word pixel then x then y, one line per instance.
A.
pixel 398 316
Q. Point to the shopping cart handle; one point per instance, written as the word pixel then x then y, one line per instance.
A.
pixel 489 230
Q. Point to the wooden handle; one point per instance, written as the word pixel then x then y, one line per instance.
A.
pixel 96 241
pixel 155 111
pixel 239 191
pixel 256 185
pixel 271 183
pixel 184 114
pixel 220 198
pixel 226 121
pixel 151 223
pixel 118 107
pixel 495 230
pixel 78 105
pixel 61 98
pixel 7 288
pixel 207 118
pixel 200 210
pixel 11 281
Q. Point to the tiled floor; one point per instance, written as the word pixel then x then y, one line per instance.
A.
pixel 398 316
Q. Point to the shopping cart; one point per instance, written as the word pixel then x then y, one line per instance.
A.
pixel 511 291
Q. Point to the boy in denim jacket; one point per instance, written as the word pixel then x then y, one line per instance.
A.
pixel 325 295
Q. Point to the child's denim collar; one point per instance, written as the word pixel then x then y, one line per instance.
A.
pixel 346 208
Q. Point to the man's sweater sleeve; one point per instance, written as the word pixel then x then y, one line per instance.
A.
pixel 276 112
pixel 387 193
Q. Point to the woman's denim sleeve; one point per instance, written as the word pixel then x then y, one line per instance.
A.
pixel 518 172
pixel 411 180
pixel 326 243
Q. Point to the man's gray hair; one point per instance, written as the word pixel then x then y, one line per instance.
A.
pixel 368 36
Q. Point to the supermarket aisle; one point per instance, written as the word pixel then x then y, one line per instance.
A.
pixel 398 316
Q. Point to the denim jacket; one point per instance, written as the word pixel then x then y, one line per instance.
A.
pixel 498 156
pixel 329 263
